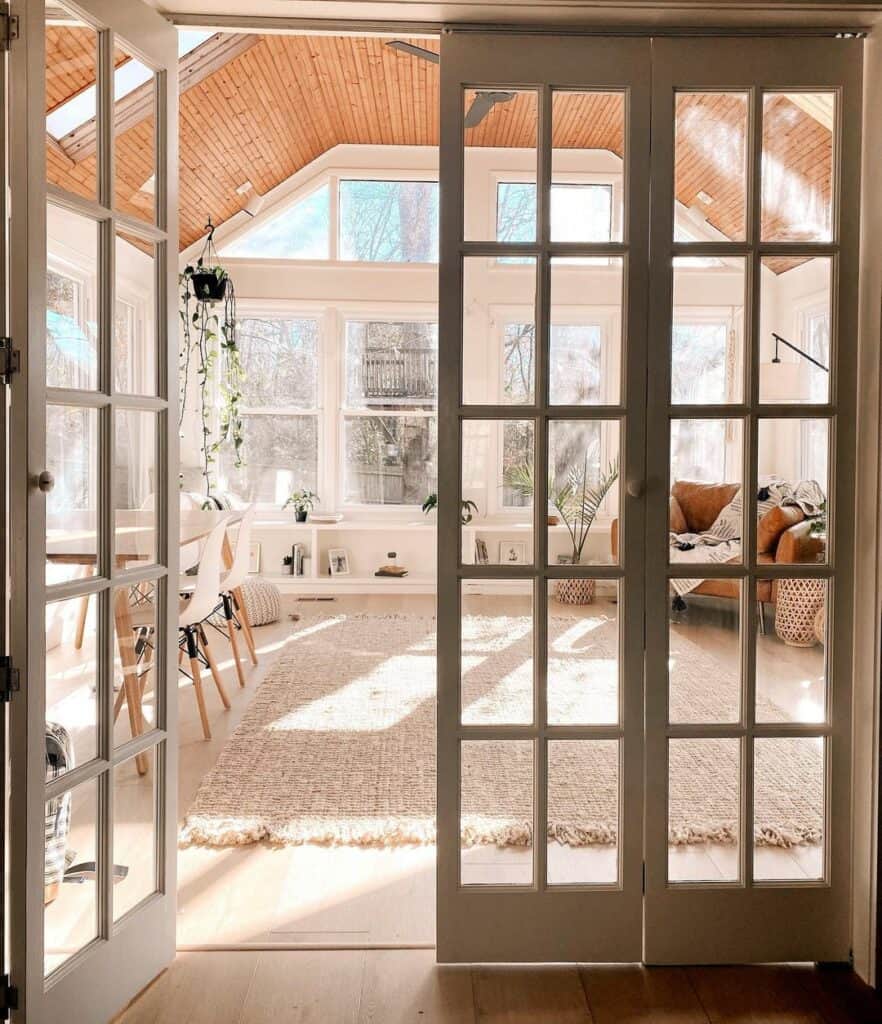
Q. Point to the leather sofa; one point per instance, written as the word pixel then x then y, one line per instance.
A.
pixel 783 533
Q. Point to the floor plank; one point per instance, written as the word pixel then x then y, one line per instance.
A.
pixel 631 994
pixel 514 995
pixel 753 995
pixel 406 986
pixel 840 995
pixel 305 988
pixel 198 988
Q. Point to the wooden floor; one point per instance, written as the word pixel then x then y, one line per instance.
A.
pixel 405 987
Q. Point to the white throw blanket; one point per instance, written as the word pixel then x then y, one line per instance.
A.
pixel 722 543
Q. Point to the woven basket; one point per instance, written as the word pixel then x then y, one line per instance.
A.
pixel 575 591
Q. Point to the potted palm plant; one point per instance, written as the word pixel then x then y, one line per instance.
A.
pixel 577 503
pixel 303 503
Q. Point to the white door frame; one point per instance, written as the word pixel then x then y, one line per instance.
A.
pixel 94 983
pixel 541 922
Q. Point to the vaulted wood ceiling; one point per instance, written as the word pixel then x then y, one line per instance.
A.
pixel 260 108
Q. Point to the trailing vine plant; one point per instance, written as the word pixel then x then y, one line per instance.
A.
pixel 210 342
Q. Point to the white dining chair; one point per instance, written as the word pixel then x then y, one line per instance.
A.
pixel 196 605
pixel 230 584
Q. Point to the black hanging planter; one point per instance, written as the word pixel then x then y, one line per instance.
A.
pixel 208 287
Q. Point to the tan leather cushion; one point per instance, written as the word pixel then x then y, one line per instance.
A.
pixel 774 523
pixel 677 520
pixel 702 503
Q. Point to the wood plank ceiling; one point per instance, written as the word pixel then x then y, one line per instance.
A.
pixel 276 103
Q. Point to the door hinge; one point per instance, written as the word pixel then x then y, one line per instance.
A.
pixel 10 27
pixel 10 360
pixel 9 679
pixel 8 997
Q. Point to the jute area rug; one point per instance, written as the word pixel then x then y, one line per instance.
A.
pixel 338 744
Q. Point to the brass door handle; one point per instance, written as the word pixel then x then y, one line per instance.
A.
pixel 634 488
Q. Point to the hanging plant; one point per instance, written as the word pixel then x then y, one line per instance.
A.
pixel 210 343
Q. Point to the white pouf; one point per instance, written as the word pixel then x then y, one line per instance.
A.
pixel 263 601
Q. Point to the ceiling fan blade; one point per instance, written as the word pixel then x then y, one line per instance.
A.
pixel 482 104
pixel 414 51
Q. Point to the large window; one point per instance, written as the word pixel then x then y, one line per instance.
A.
pixel 580 212
pixel 300 232
pixel 389 426
pixel 389 221
pixel 280 409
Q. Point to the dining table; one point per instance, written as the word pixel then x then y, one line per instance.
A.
pixel 72 540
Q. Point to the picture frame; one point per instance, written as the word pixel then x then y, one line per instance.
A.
pixel 481 555
pixel 254 557
pixel 512 552
pixel 338 561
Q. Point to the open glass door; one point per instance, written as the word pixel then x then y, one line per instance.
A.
pixel 756 146
pixel 542 396
pixel 94 233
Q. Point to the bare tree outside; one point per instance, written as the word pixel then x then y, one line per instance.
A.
pixel 389 221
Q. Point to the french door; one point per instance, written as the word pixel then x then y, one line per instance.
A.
pixel 93 131
pixel 661 774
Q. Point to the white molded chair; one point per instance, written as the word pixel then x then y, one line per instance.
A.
pixel 230 584
pixel 200 603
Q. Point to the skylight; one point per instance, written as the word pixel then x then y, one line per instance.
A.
pixel 81 108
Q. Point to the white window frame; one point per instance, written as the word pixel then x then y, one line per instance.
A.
pixel 364 313
pixel 285 309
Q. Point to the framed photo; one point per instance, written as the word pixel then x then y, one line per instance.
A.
pixel 481 555
pixel 254 556
pixel 338 561
pixel 512 552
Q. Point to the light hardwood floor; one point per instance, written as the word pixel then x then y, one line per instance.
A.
pixel 352 896
pixel 406 987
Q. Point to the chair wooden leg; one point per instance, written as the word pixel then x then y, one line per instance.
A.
pixel 81 623
pixel 193 652
pixel 246 624
pixel 233 637
pixel 212 664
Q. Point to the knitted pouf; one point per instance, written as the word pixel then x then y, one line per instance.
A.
pixel 263 601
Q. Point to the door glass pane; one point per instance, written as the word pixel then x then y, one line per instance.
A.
pixel 70 886
pixel 586 331
pixel 71 505
pixel 583 812
pixel 134 833
pixel 791 664
pixel 498 331
pixel 587 166
pixel 788 807
pixel 797 192
pixel 71 75
pixel 71 300
pixel 134 135
pixel 795 318
pixel 704 810
pixel 71 682
pixel 134 319
pixel 136 485
pixel 497 654
pixel 707 451
pixel 707 335
pixel 583 652
pixel 710 166
pixel 497 468
pixel 583 467
pixel 500 207
pixel 793 456
pixel 496 800
pixel 134 667
pixel 704 656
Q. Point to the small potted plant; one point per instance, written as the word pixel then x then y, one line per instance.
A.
pixel 303 503
pixel 577 503
pixel 468 509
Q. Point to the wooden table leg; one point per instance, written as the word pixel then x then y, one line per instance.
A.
pixel 129 660
pixel 240 603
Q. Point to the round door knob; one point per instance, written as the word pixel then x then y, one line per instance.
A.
pixel 45 481
pixel 635 488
